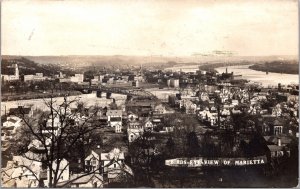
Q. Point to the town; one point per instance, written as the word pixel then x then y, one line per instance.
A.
pixel 128 127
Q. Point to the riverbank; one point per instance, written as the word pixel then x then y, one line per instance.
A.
pixel 37 95
pixel 277 67
pixel 266 80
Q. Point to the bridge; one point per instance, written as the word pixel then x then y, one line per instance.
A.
pixel 118 90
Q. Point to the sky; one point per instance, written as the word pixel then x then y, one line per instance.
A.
pixel 152 27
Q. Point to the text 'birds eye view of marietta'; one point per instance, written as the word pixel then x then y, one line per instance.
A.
pixel 158 93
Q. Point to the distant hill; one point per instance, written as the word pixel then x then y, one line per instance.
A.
pixel 26 67
pixel 84 63
pixel 287 67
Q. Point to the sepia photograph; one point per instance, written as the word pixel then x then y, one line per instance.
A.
pixel 149 93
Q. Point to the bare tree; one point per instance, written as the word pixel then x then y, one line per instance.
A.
pixel 58 131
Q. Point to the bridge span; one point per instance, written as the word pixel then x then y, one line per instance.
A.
pixel 136 92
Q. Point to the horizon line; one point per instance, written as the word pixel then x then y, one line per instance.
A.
pixel 152 55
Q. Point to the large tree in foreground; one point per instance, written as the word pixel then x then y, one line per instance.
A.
pixel 57 132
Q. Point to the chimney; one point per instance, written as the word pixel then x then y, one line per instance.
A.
pixel 279 141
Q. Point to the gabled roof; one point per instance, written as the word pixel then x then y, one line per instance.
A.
pixel 114 113
pixel 275 148
pixel 19 110
pixel 277 122
pixel 110 156
pixel 274 139
pixel 82 178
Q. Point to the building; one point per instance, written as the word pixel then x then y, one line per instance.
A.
pixel 78 78
pixel 113 165
pixel 36 77
pixel 53 125
pixel 159 109
pixel 92 161
pixel 148 125
pixel 12 123
pixel 114 119
pixel 174 83
pixel 86 181
pixel 22 172
pixel 21 110
pixel 14 77
pixel 135 83
pixel 134 130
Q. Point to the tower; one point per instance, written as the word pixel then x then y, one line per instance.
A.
pixel 16 71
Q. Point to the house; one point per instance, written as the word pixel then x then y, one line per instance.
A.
pixel 190 107
pixel 168 129
pixel 235 102
pixel 203 115
pixel 112 164
pixel 148 125
pixel 21 110
pixel 276 151
pixel 118 128
pixel 225 112
pixel 143 108
pixel 114 117
pixel 134 130
pixel 204 96
pixel 277 127
pixel 53 125
pixel 92 161
pixel 132 117
pixel 22 171
pixel 63 172
pixel 12 121
pixel 37 146
pixel 159 109
pixel 277 111
pixel 10 127
pixel 86 181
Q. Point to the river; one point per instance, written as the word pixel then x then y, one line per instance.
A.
pixel 87 99
pixel 270 79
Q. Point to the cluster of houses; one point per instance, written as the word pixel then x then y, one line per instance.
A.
pixel 138 117
pixel 100 168
pixel 276 111
pixel 215 103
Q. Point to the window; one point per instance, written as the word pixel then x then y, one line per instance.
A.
pixel 115 165
pixel 94 162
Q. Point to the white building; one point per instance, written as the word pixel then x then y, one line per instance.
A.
pixel 78 78
pixel 36 77
pixel 12 122
pixel 113 165
pixel 114 117
pixel 22 172
pixel 174 83
pixel 134 131
pixel 92 162
pixel 14 77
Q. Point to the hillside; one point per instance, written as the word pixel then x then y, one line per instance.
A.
pixel 287 67
pixel 27 67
